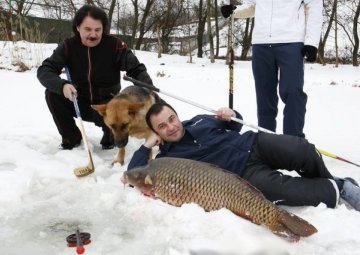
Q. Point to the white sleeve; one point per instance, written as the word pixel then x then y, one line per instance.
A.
pixel 313 21
pixel 246 10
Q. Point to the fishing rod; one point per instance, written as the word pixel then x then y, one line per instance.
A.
pixel 90 168
pixel 151 87
pixel 78 240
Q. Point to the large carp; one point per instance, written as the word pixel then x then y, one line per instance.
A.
pixel 180 181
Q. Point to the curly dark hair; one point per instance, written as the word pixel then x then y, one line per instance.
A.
pixel 155 109
pixel 92 11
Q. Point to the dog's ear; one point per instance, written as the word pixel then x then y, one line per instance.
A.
pixel 100 108
pixel 134 108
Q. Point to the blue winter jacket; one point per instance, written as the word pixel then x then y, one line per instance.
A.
pixel 215 141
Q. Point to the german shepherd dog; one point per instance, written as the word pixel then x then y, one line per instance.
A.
pixel 125 114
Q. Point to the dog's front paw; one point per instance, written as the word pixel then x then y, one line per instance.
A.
pixel 121 162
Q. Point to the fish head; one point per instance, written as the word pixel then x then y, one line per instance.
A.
pixel 140 178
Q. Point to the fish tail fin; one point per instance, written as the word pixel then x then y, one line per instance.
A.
pixel 282 231
pixel 292 226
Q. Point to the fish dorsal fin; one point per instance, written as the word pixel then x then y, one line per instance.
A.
pixel 148 180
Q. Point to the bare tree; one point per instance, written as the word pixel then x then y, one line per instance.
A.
pixel 217 33
pixel 211 42
pixel 14 17
pixel 330 14
pixel 188 28
pixel 8 22
pixel 158 31
pixel 142 28
pixel 135 22
pixel 66 10
pixel 336 35
pixel 247 37
pixel 110 13
pixel 355 54
pixel 201 27
pixel 169 19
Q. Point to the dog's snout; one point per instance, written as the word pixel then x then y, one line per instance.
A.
pixel 122 143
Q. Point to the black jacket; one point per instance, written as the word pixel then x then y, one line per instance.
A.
pixel 215 141
pixel 95 71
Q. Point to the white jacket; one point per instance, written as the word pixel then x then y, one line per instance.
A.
pixel 283 21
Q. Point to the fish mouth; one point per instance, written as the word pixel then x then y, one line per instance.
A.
pixel 124 179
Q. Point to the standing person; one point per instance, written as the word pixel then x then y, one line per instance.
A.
pixel 285 31
pixel 256 157
pixel 95 60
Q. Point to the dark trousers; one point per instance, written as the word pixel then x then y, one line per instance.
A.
pixel 281 64
pixel 272 152
pixel 63 113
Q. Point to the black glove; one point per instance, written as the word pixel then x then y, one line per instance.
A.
pixel 309 52
pixel 227 10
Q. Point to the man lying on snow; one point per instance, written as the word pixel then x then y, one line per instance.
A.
pixel 256 157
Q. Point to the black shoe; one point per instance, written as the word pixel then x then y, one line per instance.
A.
pixel 67 144
pixel 107 141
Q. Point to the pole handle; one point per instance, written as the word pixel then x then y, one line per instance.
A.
pixel 76 105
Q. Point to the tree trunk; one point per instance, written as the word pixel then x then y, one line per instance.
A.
pixel 190 53
pixel 135 23
pixel 189 34
pixel 110 15
pixel 356 36
pixel 19 16
pixel 201 29
pixel 212 60
pixel 158 29
pixel 217 36
pixel 8 24
pixel 336 36
pixel 142 31
pixel 321 49
pixel 247 38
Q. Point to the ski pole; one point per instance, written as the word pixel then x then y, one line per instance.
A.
pixel 148 86
pixel 231 59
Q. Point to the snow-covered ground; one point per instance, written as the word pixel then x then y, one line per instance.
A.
pixel 42 202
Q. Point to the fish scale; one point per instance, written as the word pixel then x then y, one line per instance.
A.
pixel 181 181
pixel 200 187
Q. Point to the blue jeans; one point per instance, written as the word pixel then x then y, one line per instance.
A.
pixel 281 64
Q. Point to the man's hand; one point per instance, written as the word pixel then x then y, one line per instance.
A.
pixel 309 52
pixel 153 140
pixel 225 113
pixel 227 10
pixel 69 90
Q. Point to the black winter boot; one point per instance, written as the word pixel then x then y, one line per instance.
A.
pixel 68 144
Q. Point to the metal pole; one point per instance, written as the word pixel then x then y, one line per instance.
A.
pixel 231 60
